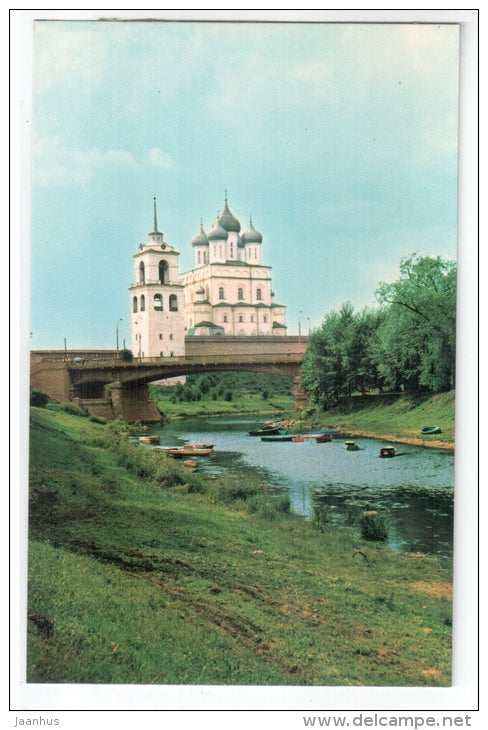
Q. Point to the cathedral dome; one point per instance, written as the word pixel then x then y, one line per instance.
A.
pixel 201 238
pixel 228 221
pixel 252 235
pixel 217 233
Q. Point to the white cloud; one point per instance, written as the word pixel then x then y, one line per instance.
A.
pixel 158 158
pixel 67 53
pixel 55 164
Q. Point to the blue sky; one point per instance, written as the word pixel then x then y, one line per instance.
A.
pixel 339 139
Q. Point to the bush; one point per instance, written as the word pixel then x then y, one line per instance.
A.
pixel 70 408
pixel 38 398
pixel 373 526
pixel 126 355
pixel 321 515
pixel 259 504
pixel 196 486
pixel 231 492
pixel 282 503
pixel 171 479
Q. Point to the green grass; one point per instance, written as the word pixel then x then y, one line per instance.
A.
pixel 399 417
pixel 141 572
pixel 225 393
pixel 242 403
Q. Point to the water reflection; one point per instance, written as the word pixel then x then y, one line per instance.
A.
pixel 414 491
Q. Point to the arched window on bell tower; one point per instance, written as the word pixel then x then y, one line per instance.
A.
pixel 163 272
pixel 158 303
pixel 142 275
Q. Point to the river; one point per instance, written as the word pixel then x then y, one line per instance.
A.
pixel 413 491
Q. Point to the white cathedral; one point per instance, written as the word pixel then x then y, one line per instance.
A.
pixel 228 292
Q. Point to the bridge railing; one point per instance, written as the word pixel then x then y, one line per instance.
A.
pixel 114 362
pixel 254 357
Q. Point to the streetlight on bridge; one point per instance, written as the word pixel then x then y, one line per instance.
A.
pixel 117 335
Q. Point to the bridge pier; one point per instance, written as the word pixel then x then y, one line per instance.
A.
pixel 132 404
pixel 127 404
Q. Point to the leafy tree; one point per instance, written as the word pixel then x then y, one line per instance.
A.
pixel 409 343
pixel 204 383
pixel 179 390
pixel 340 357
pixel 417 341
pixel 125 355
pixel 363 348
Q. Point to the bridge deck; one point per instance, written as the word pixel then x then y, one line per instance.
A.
pixel 87 374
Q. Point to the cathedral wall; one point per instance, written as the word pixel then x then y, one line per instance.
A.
pixel 229 290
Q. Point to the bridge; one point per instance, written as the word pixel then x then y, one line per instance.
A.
pixel 101 383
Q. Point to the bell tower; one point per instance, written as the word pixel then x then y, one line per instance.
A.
pixel 157 303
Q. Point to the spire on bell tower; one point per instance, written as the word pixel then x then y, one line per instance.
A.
pixel 155 231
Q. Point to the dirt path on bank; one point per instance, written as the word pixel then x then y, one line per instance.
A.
pixel 414 440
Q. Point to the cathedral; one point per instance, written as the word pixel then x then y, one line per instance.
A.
pixel 228 292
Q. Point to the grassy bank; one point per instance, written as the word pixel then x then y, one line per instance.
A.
pixel 241 405
pixel 393 418
pixel 224 394
pixel 141 572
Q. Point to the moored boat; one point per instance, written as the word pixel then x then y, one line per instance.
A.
pixel 324 438
pixel 180 452
pixel 387 452
pixel 190 463
pixel 427 430
pixel 268 431
pixel 350 446
pixel 298 439
pixel 282 437
pixel 149 439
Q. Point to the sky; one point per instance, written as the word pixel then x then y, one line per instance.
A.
pixel 340 139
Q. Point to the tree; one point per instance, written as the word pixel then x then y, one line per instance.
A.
pixel 125 355
pixel 409 343
pixel 417 341
pixel 362 351
pixel 340 356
